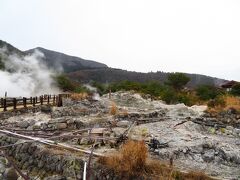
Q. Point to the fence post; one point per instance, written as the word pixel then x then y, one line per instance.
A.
pixel 1 102
pixel 48 99
pixel 14 103
pixel 33 101
pixel 59 100
pixel 25 102
pixel 5 104
pixel 41 100
pixel 54 100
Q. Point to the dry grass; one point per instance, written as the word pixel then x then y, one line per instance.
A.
pixel 132 162
pixel 113 108
pixel 230 102
pixel 79 96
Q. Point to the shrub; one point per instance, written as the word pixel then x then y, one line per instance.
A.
pixel 81 89
pixel 235 90
pixel 113 109
pixel 232 102
pixel 177 80
pixel 206 92
pixel 152 88
pixel 218 102
pixel 101 88
pixel 64 83
pixel 78 96
pixel 131 162
pixel 169 96
pixel 188 100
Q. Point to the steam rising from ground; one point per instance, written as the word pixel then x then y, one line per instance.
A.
pixel 96 96
pixel 25 75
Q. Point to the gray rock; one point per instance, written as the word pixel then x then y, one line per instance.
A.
pixel 44 126
pixel 123 123
pixel 2 168
pixel 10 174
pixel 23 124
pixel 46 109
pixel 230 128
pixel 209 155
pixel 61 126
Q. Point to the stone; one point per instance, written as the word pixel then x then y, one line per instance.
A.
pixel 10 173
pixel 23 124
pixel 44 126
pixel 209 155
pixel 123 124
pixel 2 168
pixel 61 126
pixel 230 128
pixel 46 109
pixel 84 141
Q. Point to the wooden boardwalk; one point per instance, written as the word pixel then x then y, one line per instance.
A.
pixel 8 104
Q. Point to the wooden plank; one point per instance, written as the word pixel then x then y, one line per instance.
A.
pixel 50 142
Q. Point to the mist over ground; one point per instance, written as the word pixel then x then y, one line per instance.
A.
pixel 25 75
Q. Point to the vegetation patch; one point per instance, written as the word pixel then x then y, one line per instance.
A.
pixel 132 162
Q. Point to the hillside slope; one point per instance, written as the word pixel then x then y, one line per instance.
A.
pixel 68 63
pixel 108 75
pixel 82 70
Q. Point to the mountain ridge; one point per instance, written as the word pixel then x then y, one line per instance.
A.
pixel 69 63
pixel 84 71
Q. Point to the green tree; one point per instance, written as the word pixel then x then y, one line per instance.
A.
pixel 177 80
pixel 65 83
pixel 236 90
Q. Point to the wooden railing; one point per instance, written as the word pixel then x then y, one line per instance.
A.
pixel 15 103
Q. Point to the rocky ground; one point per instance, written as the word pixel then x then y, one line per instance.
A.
pixel 193 139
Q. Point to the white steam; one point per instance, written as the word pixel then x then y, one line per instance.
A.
pixel 96 96
pixel 25 76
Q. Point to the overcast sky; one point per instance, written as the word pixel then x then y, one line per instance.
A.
pixel 194 36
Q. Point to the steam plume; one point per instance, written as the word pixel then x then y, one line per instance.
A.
pixel 25 75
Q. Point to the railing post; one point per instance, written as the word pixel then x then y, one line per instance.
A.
pixel 31 100
pixel 14 103
pixel 1 102
pixel 54 100
pixel 34 101
pixel 25 102
pixel 41 100
pixel 59 100
pixel 48 99
pixel 5 104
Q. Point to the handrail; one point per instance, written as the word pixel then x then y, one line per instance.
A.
pixel 14 103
